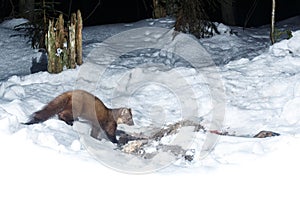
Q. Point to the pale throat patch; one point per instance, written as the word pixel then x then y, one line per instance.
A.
pixel 119 120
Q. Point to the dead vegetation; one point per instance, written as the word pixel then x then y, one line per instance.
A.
pixel 148 146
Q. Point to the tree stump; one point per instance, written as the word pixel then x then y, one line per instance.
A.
pixel 64 43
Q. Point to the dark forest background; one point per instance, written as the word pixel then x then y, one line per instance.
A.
pixel 95 12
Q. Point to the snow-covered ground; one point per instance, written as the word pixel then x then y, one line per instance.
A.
pixel 230 83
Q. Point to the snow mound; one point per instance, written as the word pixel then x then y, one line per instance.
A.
pixel 12 23
pixel 289 47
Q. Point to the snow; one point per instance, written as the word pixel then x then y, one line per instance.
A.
pixel 235 83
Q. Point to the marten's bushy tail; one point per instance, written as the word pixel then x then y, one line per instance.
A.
pixel 53 107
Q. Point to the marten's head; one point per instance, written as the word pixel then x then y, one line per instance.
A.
pixel 124 116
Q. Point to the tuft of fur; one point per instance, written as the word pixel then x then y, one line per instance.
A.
pixel 69 106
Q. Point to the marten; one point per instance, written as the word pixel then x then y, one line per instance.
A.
pixel 78 103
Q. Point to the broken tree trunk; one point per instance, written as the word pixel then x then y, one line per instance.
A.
pixel 71 43
pixel 55 44
pixel 50 44
pixel 78 39
pixel 59 44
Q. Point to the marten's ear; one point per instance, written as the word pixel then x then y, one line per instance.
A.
pixel 124 111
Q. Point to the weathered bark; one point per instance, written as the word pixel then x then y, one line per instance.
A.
pixel 59 44
pixel 79 39
pixel 72 42
pixel 50 45
pixel 60 32
pixel 55 45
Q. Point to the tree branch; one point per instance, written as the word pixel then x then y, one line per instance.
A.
pixel 91 13
pixel 12 13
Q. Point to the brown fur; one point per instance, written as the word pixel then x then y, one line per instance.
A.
pixel 79 103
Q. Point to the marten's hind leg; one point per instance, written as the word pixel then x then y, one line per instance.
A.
pixel 66 116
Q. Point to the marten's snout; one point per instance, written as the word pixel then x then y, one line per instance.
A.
pixel 130 122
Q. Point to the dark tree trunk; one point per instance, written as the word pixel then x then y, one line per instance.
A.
pixel 192 18
pixel 25 8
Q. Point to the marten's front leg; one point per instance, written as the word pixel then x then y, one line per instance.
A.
pixel 110 131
